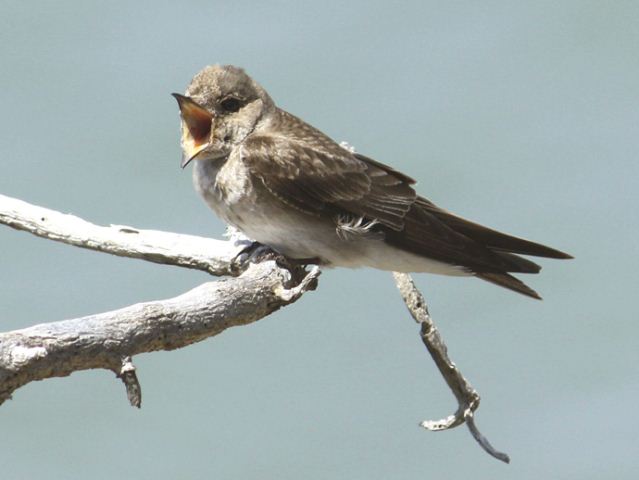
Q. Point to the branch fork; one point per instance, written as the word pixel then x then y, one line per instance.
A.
pixel 259 285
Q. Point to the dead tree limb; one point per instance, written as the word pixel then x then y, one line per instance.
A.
pixel 109 340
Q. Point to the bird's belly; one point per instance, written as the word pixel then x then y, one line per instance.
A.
pixel 299 235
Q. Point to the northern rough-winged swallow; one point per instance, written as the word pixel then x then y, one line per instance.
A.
pixel 287 185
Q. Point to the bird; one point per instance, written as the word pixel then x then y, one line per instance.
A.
pixel 288 186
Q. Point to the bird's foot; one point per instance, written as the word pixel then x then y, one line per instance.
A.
pixel 255 252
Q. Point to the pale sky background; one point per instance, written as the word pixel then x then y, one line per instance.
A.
pixel 520 115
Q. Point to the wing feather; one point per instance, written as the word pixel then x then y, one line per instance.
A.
pixel 318 180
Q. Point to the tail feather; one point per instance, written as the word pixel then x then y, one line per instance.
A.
pixel 510 282
pixel 515 263
pixel 415 224
pixel 493 239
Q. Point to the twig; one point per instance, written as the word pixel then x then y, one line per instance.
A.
pixel 131 382
pixel 467 397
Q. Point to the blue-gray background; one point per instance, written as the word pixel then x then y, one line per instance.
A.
pixel 520 115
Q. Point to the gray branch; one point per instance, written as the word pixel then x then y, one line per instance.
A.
pixel 109 340
pixel 213 256
pixel 467 397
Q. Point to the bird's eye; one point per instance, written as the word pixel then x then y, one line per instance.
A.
pixel 231 104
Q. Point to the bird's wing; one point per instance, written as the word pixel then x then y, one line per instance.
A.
pixel 332 181
pixel 329 180
pixel 493 239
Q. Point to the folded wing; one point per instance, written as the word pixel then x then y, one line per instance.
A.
pixel 325 179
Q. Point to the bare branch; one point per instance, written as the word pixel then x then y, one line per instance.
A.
pixel 213 256
pixel 108 340
pixel 467 397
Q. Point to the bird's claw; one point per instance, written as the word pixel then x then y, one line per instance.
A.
pixel 254 252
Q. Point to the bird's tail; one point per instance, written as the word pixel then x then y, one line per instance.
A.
pixel 510 282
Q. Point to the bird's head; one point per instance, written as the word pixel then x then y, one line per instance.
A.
pixel 220 108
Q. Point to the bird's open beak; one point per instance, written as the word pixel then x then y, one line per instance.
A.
pixel 196 127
